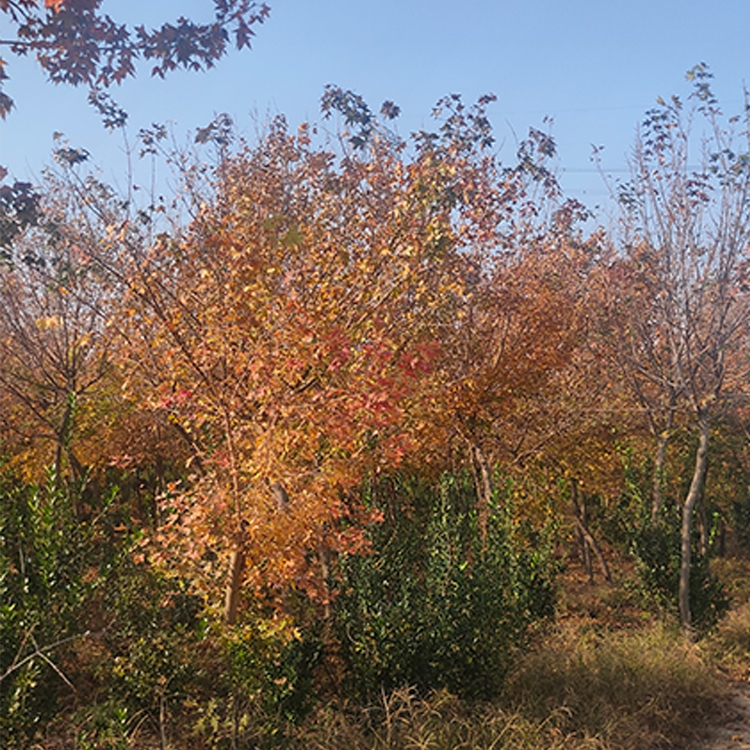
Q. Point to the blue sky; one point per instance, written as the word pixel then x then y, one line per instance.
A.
pixel 593 66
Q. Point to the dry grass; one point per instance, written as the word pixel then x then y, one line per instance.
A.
pixel 626 690
pixel 730 644
pixel 579 689
pixel 607 676
pixel 441 722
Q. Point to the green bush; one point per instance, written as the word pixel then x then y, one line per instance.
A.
pixel 154 638
pixel 656 549
pixel 44 561
pixel 435 606
pixel 75 611
pixel 262 685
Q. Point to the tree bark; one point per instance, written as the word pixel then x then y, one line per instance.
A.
pixel 694 494
pixel 63 438
pixel 236 570
pixel 661 454
pixel 583 529
pixel 483 484
pixel 703 527
pixel 583 545
pixel 280 496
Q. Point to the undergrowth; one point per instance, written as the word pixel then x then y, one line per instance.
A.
pixel 578 689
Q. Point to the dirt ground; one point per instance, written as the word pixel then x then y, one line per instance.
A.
pixel 734 731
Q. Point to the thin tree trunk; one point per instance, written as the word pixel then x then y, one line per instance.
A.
pixel 722 544
pixel 702 525
pixel 236 571
pixel 587 535
pixel 237 560
pixel 661 454
pixel 585 520
pixel 483 485
pixel 580 514
pixel 324 557
pixel 63 438
pixel 597 550
pixel 281 498
pixel 694 494
pixel 585 553
pixel 163 743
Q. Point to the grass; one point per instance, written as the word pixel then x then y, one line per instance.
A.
pixel 604 676
pixel 647 688
pixel 580 688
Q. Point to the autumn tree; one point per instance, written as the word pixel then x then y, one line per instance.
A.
pixel 677 282
pixel 511 368
pixel 293 333
pixel 282 335
pixel 509 345
pixel 62 404
pixel 53 343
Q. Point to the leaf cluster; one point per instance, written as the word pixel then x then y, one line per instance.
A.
pixel 75 42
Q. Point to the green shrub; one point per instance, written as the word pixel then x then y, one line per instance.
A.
pixel 44 561
pixel 75 611
pixel 261 683
pixel 434 605
pixel 656 549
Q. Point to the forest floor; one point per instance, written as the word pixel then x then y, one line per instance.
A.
pixel 734 732
pixel 725 651
pixel 731 651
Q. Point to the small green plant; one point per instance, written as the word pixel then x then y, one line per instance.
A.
pixel 106 726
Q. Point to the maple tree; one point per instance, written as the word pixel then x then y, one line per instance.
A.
pixel 283 334
pixel 300 332
pixel 512 365
pixel 501 383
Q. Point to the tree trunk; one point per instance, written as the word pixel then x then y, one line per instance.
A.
pixel 661 454
pixel 694 494
pixel 483 485
pixel 583 529
pixel 63 438
pixel 280 496
pixel 324 557
pixel 583 545
pixel 236 570
pixel 703 527
pixel 585 553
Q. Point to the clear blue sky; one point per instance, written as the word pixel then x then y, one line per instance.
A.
pixel 594 66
